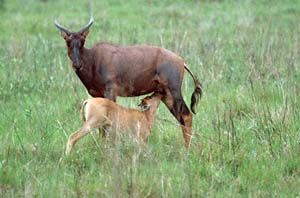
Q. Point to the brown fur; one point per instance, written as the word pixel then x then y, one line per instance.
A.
pixel 104 113
pixel 109 71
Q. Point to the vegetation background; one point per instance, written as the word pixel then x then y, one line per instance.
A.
pixel 246 132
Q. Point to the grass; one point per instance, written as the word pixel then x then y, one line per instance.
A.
pixel 246 140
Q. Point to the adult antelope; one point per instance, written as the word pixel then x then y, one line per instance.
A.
pixel 109 71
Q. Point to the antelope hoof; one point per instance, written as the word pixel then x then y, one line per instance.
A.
pixel 68 149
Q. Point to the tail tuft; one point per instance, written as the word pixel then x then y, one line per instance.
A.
pixel 198 91
pixel 196 96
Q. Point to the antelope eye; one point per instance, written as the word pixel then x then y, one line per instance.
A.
pixel 70 38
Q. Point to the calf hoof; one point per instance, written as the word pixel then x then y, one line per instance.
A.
pixel 68 149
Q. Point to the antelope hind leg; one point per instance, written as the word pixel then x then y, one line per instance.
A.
pixel 73 138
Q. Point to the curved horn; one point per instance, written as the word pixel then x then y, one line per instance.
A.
pixel 62 28
pixel 88 25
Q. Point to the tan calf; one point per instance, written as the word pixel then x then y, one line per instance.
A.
pixel 104 113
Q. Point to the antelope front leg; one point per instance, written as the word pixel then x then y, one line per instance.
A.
pixel 109 92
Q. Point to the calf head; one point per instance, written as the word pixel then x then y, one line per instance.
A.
pixel 148 101
pixel 75 41
pixel 145 105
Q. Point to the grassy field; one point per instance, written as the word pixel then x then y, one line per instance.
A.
pixel 246 139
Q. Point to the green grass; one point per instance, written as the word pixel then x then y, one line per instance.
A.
pixel 247 129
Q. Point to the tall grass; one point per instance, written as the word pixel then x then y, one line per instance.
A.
pixel 246 132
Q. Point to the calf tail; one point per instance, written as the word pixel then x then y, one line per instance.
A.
pixel 82 111
pixel 198 91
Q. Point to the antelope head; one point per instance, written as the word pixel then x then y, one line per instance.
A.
pixel 148 101
pixel 75 41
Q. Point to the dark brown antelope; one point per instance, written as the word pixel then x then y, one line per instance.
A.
pixel 104 113
pixel 109 71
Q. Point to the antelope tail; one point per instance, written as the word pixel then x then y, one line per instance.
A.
pixel 198 91
pixel 82 111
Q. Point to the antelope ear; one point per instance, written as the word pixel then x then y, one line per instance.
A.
pixel 64 34
pixel 85 33
pixel 141 103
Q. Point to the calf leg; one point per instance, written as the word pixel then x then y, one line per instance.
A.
pixel 73 138
pixel 175 103
pixel 102 132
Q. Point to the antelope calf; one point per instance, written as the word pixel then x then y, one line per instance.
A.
pixel 104 113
